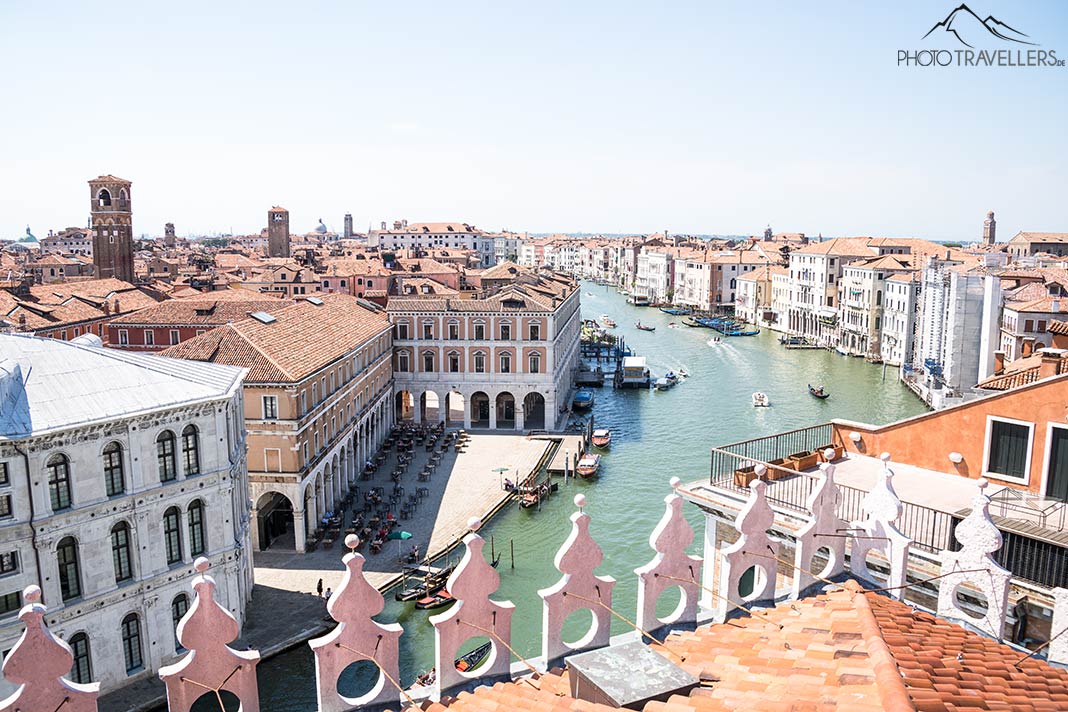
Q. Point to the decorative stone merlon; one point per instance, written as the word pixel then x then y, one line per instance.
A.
pixel 473 615
pixel 210 665
pixel 879 532
pixel 576 560
pixel 826 531
pixel 38 663
pixel 671 566
pixel 357 637
pixel 974 565
pixel 753 549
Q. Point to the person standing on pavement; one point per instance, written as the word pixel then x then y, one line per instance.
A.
pixel 319 589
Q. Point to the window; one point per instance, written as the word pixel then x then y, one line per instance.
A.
pixel 172 535
pixel 535 363
pixel 1029 325
pixel 5 478
pixel 506 363
pixel 428 361
pixel 59 482
pixel 131 643
pixel 70 582
pixel 303 402
pixel 454 330
pixel 270 407
pixel 480 332
pixel 454 362
pixel 1008 448
pixel 82 670
pixel 114 482
pixel 402 362
pixel 168 469
pixel 535 332
pixel 179 607
pixel 10 602
pixel 196 528
pixel 150 337
pixel 1041 326
pixel 120 552
pixel 506 332
pixel 428 331
pixel 480 363
pixel 9 562
pixel 402 331
pixel 5 505
pixel 174 337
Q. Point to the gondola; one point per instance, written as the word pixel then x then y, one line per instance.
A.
pixel 675 311
pixel 465 663
pixel 442 597
pixel 427 581
pixel 644 327
pixel 817 392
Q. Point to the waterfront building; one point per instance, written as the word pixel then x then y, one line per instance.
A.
pixel 504 360
pixel 753 301
pixel 814 273
pixel 899 318
pixel 1029 244
pixel 116 471
pixel 655 275
pixel 317 405
pixel 111 218
pixel 861 293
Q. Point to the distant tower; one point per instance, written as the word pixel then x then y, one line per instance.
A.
pixel 990 228
pixel 348 225
pixel 768 233
pixel 168 235
pixel 110 214
pixel 278 232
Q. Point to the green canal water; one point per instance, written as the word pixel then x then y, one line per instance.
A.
pixel 656 436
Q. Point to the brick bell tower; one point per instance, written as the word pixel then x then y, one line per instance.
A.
pixel 111 212
pixel 278 232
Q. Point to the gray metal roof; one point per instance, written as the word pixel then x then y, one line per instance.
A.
pixel 48 385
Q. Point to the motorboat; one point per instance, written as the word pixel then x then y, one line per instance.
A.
pixel 583 399
pixel 609 323
pixel 817 392
pixel 760 400
pixel 714 341
pixel 672 377
pixel 588 465
pixel 644 327
pixel 602 438
pixel 683 373
pixel 589 294
pixel 664 383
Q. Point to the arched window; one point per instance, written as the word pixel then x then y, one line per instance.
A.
pixel 131 643
pixel 120 552
pixel 82 670
pixel 172 535
pixel 506 363
pixel 70 578
pixel 179 607
pixel 59 482
pixel 196 528
pixel 104 197
pixel 428 361
pixel 168 469
pixel 535 363
pixel 114 482
pixel 480 362
pixel 191 450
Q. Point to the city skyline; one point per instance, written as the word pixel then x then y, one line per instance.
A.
pixel 619 119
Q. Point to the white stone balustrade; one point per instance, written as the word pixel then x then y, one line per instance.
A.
pixel 473 615
pixel 671 566
pixel 826 531
pixel 357 637
pixel 879 532
pixel 576 560
pixel 979 537
pixel 38 663
pixel 754 549
pixel 211 666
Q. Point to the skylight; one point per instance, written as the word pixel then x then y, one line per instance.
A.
pixel 316 301
pixel 263 317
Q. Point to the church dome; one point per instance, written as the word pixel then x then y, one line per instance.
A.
pixel 321 228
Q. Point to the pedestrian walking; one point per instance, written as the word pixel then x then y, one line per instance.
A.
pixel 319 589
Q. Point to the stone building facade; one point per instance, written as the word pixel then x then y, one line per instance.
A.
pixel 116 471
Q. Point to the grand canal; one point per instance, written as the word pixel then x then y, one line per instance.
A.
pixel 655 436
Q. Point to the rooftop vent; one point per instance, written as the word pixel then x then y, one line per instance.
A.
pixel 316 301
pixel 607 676
pixel 263 317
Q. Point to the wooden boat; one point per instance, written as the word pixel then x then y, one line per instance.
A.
pixel 425 581
pixel 609 323
pixel 587 466
pixel 532 495
pixel 436 600
pixel 583 399
pixel 644 327
pixel 676 311
pixel 760 400
pixel 466 662
pixel 792 340
pixel 602 438
pixel 817 392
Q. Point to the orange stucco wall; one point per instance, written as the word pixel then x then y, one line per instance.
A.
pixel 926 441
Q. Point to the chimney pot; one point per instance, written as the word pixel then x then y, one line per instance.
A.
pixel 999 361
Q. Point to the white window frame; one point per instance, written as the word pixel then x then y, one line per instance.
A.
pixel 150 337
pixel 1047 451
pixel 124 337
pixel 1030 449
pixel 175 337
pixel 264 402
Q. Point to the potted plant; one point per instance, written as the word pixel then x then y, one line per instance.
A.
pixel 744 475
pixel 839 451
pixel 804 460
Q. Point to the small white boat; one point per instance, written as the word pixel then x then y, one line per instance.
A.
pixel 604 318
pixel 841 350
pixel 588 465
pixel 714 341
pixel 760 400
pixel 663 384
pixel 589 294
pixel 683 373
pixel 602 438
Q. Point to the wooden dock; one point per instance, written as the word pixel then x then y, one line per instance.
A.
pixel 570 447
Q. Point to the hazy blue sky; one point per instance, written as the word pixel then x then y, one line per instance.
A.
pixel 705 117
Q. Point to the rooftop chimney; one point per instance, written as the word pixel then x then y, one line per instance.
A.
pixel 999 361
pixel 1050 364
pixel 1028 346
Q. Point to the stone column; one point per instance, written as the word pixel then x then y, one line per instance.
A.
pixel 442 407
pixel 299 530
pixel 711 556
pixel 417 408
pixel 518 415
pixel 254 525
pixel 493 413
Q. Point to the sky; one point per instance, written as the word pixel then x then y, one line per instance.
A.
pixel 616 117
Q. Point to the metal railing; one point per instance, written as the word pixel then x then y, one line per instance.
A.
pixel 771 448
pixel 1039 562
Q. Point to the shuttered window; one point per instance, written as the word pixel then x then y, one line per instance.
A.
pixel 1008 449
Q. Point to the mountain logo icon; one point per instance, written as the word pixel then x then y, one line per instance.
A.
pixel 968 28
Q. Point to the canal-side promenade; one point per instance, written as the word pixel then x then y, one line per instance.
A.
pixel 285 611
